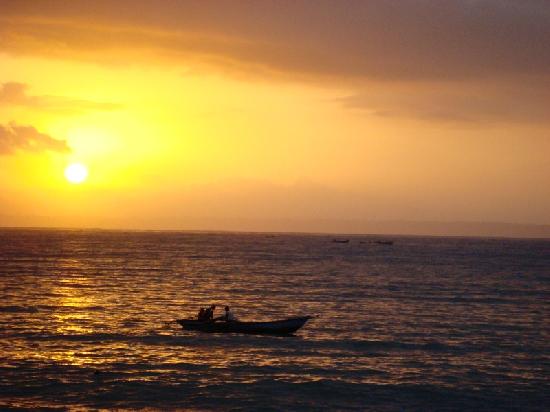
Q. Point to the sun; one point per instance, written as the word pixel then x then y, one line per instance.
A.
pixel 76 173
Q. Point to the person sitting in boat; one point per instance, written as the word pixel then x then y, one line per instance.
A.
pixel 201 314
pixel 209 313
pixel 229 316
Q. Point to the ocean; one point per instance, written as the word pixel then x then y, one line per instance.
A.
pixel 428 323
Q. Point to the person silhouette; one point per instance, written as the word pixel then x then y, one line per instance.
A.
pixel 229 316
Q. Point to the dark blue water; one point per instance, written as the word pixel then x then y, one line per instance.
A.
pixel 428 323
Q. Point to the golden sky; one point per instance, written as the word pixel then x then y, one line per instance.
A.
pixel 274 115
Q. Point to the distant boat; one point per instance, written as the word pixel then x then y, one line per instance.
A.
pixel 340 240
pixel 385 242
pixel 278 327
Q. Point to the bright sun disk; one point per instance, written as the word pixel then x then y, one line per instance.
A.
pixel 76 173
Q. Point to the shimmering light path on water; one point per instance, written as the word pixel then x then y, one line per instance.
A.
pixel 451 323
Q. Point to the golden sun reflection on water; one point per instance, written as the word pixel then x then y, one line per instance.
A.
pixel 73 313
pixel 74 303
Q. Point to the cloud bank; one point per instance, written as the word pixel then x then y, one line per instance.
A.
pixel 390 39
pixel 15 138
pixel 479 60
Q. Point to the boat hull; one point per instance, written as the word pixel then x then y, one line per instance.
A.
pixel 279 327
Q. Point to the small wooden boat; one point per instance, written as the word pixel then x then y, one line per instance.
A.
pixel 340 240
pixel 278 327
pixel 385 242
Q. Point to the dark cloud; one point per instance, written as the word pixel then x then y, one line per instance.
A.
pixel 463 44
pixel 13 93
pixel 392 39
pixel 26 138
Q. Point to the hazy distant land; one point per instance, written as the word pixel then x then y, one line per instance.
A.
pixel 352 227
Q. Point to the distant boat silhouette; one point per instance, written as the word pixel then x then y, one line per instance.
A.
pixel 385 242
pixel 340 240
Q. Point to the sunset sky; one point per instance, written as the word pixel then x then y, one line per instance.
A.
pixel 275 115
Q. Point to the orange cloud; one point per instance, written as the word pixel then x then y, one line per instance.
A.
pixel 490 103
pixel 14 93
pixel 26 138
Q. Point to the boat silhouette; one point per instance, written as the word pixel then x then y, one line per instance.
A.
pixel 385 242
pixel 278 327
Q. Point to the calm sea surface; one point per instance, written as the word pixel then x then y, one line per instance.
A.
pixel 428 323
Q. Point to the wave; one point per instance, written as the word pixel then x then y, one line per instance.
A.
pixel 18 309
pixel 282 346
pixel 269 393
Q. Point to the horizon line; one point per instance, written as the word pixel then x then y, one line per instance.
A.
pixel 297 232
